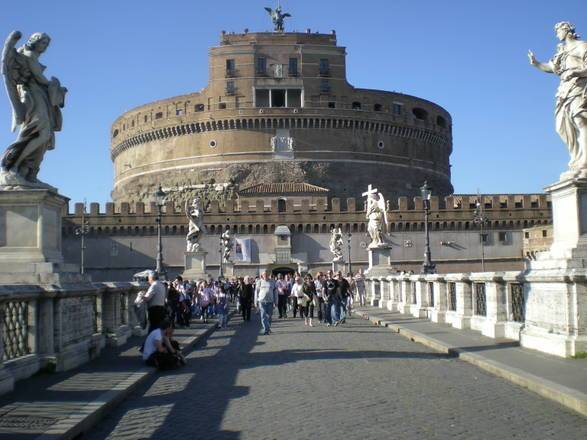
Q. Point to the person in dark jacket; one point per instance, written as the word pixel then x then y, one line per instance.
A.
pixel 245 296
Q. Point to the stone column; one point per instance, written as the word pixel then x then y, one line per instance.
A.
pixel 438 313
pixel 406 299
pixel 420 309
pixel 462 317
pixel 393 297
pixel 375 292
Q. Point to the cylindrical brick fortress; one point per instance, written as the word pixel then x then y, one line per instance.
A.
pixel 278 108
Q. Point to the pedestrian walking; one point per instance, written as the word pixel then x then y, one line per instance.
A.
pixel 308 295
pixel 155 299
pixel 319 299
pixel 281 285
pixel 344 291
pixel 297 296
pixel 221 299
pixel 265 297
pixel 245 296
pixel 331 300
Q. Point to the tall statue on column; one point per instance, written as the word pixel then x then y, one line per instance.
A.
pixel 195 215
pixel 570 64
pixel 36 102
pixel 377 218
pixel 336 244
pixel 227 243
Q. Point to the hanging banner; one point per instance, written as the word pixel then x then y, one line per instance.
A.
pixel 242 250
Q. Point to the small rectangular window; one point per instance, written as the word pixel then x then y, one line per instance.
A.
pixel 294 98
pixel 332 104
pixel 503 237
pixel 526 235
pixel 146 118
pixel 178 111
pixel 261 66
pixel 397 109
pixel 199 107
pixel 262 98
pixel 230 68
pixel 158 115
pixel 324 67
pixel 230 88
pixel 484 238
pixel 324 86
pixel 222 105
pixel 293 67
pixel 544 233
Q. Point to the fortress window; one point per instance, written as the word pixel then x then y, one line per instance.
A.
pixel 114 133
pixel 397 109
pixel 230 68
pixel 199 107
pixel 356 105
pixel 278 98
pixel 146 118
pixel 324 67
pixel 261 66
pixel 178 111
pixel 324 86
pixel 420 113
pixel 230 88
pixel 293 67
pixel 158 115
pixel 132 123
pixel 332 104
pixel 294 97
pixel 377 107
pixel 262 98
pixel 222 105
pixel 440 121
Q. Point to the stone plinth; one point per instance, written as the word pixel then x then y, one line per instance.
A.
pixel 339 266
pixel 30 238
pixel 228 269
pixel 379 262
pixel 195 266
pixel 556 291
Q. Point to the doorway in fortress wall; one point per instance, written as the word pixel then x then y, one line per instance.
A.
pixel 284 270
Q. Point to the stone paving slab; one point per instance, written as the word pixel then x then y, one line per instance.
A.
pixel 61 406
pixel 558 379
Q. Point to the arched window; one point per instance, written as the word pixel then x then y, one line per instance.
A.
pixel 356 105
pixel 420 113
pixel 440 121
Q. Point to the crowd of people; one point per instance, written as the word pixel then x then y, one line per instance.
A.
pixel 329 297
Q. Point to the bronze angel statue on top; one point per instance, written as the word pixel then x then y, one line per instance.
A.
pixel 277 17
pixel 36 102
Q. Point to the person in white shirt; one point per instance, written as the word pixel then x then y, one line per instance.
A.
pixel 160 350
pixel 265 298
pixel 155 299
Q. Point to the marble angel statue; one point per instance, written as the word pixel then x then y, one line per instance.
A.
pixel 570 64
pixel 36 102
pixel 227 243
pixel 377 217
pixel 336 244
pixel 195 215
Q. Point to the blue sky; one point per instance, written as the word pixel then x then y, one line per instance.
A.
pixel 468 56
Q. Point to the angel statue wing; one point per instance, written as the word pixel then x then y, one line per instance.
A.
pixel 269 10
pixel 13 70
pixel 383 208
pixel 285 15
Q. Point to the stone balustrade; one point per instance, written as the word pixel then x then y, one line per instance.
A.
pixel 511 305
pixel 56 329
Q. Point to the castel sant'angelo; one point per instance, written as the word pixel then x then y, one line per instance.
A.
pixel 280 147
pixel 278 108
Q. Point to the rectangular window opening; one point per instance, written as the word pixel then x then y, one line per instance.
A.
pixel 294 98
pixel 262 98
pixel 278 98
pixel 293 67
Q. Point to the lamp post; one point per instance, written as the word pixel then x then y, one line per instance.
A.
pixel 220 269
pixel 348 243
pixel 428 266
pixel 479 218
pixel 160 201
pixel 81 231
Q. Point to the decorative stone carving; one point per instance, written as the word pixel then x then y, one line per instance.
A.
pixel 570 64
pixel 195 215
pixel 336 245
pixel 377 216
pixel 36 102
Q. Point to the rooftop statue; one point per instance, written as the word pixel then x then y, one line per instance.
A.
pixel 36 102
pixel 195 215
pixel 570 64
pixel 277 17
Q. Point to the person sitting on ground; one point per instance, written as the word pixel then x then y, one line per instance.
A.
pixel 160 350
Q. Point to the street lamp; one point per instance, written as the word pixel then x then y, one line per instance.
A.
pixel 480 219
pixel 428 266
pixel 220 270
pixel 160 197
pixel 348 243
pixel 81 231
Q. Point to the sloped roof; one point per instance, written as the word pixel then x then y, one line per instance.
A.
pixel 283 188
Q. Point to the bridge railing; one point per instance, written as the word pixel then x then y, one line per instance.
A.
pixel 55 329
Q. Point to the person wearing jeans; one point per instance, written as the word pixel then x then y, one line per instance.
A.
pixel 265 298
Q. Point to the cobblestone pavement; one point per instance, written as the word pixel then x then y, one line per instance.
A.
pixel 352 382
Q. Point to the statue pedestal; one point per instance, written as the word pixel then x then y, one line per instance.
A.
pixel 195 266
pixel 379 262
pixel 228 269
pixel 555 291
pixel 30 238
pixel 339 266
